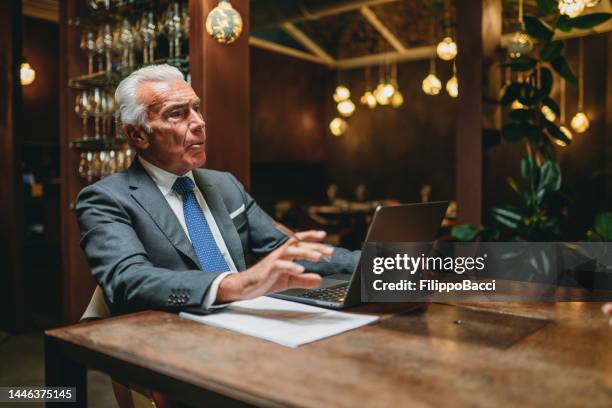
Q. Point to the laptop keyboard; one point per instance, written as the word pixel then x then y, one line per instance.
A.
pixel 335 294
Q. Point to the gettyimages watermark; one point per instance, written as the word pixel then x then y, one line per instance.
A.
pixel 486 271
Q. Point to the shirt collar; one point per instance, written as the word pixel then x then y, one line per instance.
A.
pixel 164 179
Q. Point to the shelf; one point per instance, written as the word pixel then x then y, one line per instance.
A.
pixel 130 9
pixel 104 79
pixel 97 144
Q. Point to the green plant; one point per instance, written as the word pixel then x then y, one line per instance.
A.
pixel 533 91
pixel 542 205
pixel 602 228
pixel 539 211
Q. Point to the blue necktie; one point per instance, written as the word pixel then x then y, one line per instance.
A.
pixel 202 239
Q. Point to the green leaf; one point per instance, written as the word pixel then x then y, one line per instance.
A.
pixel 562 23
pixel 589 20
pixel 522 115
pixel 529 170
pixel 546 81
pixel 559 64
pixel 537 28
pixel 550 177
pixel 551 50
pixel 513 132
pixel 522 63
pixel 603 225
pixel 490 234
pixel 506 216
pixel 464 232
pixel 552 105
pixel 514 186
pixel 510 93
pixel 546 7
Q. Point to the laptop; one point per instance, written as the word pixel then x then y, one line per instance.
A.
pixel 399 223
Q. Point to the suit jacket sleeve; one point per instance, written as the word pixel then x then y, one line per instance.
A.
pixel 264 238
pixel 120 263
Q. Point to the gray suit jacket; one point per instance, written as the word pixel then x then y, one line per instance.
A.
pixel 140 255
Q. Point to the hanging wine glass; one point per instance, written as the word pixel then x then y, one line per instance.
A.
pixel 83 165
pixel 107 41
pixel 173 26
pixel 126 37
pixel 109 111
pixel 95 105
pixel 88 44
pixel 82 109
pixel 148 33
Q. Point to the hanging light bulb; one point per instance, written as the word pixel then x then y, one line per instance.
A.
pixel 224 23
pixel 368 99
pixel 338 126
pixel 382 98
pixel 517 105
pixel 447 49
pixel 580 122
pixel 431 84
pixel 571 8
pixel 346 108
pixel 397 99
pixel 341 93
pixel 520 43
pixel 452 85
pixel 27 74
pixel 563 128
pixel 548 113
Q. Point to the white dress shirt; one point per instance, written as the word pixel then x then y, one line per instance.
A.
pixel 164 181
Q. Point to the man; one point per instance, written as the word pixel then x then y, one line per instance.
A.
pixel 166 234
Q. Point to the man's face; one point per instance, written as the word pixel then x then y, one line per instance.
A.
pixel 177 139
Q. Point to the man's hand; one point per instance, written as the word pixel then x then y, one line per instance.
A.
pixel 277 271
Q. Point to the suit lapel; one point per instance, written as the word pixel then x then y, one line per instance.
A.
pixel 147 194
pixel 221 215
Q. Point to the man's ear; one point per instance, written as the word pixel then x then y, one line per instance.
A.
pixel 136 136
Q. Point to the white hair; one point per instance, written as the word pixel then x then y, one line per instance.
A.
pixel 131 110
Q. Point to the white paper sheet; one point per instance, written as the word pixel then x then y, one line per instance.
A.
pixel 287 323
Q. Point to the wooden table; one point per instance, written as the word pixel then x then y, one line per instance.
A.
pixel 504 354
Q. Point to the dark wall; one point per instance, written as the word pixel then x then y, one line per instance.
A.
pixel 393 151
pixel 40 135
pixel 582 162
pixel 40 99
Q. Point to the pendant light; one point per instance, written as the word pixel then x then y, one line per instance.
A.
pixel 368 97
pixel 520 43
pixel 431 84
pixel 563 128
pixel 447 48
pixel 452 85
pixel 27 74
pixel 571 8
pixel 580 122
pixel 224 23
pixel 338 126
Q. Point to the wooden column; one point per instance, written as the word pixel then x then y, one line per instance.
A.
pixel 478 28
pixel 220 76
pixel 77 282
pixel 12 291
pixel 608 128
